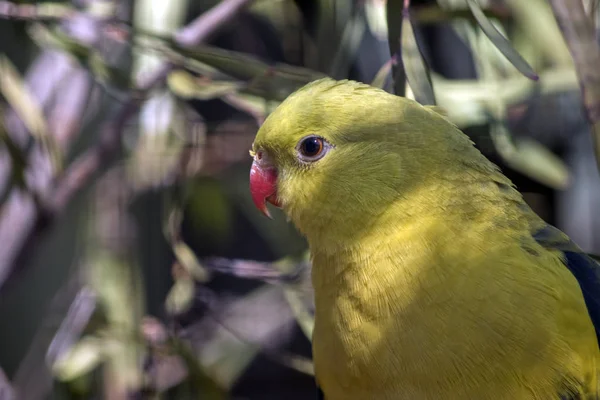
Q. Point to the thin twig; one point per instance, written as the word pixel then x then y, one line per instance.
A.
pixel 580 35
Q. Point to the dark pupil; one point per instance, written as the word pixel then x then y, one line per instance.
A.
pixel 311 146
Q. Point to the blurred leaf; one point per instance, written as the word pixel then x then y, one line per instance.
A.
pixel 299 292
pixel 18 162
pixel 237 64
pixel 13 88
pixel 433 13
pixel 79 318
pixel 530 158
pixel 376 18
pixel 382 75
pixel 188 260
pixel 417 73
pixel 156 160
pixel 205 385
pixel 347 50
pixel 253 105
pixel 107 74
pixel 17 95
pixel 81 359
pixel 299 363
pixel 237 338
pixel 117 281
pixel 332 17
pixel 181 296
pixel 394 24
pixel 55 38
pixel 113 280
pixel 184 255
pixel 500 41
pixel 185 85
pixel 304 318
pixel 272 81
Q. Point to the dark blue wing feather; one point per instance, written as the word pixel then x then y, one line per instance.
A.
pixel 585 269
pixel 320 395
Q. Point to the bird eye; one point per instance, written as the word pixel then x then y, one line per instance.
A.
pixel 312 148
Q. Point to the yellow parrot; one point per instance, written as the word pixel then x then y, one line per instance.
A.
pixel 433 279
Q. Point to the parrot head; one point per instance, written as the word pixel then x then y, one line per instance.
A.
pixel 335 154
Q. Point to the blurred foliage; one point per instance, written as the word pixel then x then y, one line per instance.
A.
pixel 238 302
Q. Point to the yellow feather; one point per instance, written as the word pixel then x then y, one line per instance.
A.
pixel 428 281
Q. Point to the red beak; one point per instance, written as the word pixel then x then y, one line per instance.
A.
pixel 263 186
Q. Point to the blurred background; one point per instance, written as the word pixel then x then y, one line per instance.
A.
pixel 133 263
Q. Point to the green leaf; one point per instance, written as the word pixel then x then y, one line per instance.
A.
pixel 299 363
pixel 107 74
pixel 500 41
pixel 381 76
pixel 181 296
pixel 260 79
pixel 204 384
pixel 81 359
pixel 185 85
pixel 332 17
pixel 17 95
pixel 13 89
pixel 434 14
pixel 85 55
pixel 55 38
pixel 347 51
pixel 236 64
pixel 18 159
pixel 190 262
pixel 417 73
pixel 303 316
pixel 530 158
pixel 256 106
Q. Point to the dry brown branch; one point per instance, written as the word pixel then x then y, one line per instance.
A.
pixel 580 35
pixel 31 221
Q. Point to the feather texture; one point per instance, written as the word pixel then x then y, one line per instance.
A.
pixel 585 269
pixel 433 278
